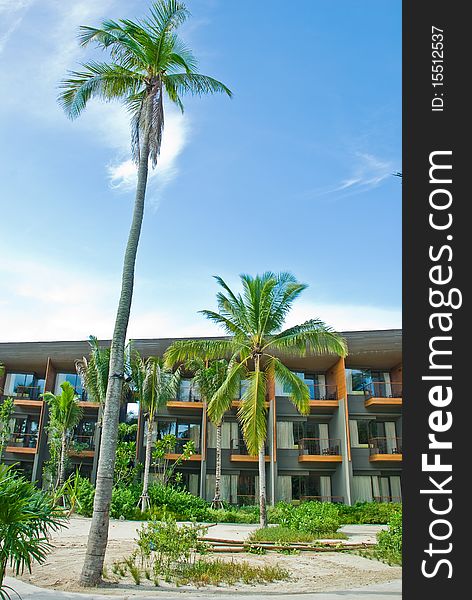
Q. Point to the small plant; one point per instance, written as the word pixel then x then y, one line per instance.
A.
pixel 165 546
pixel 133 569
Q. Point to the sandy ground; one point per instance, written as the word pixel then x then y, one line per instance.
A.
pixel 310 572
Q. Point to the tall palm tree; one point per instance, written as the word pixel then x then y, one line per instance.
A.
pixel 254 322
pixel 209 377
pixel 154 386
pixel 65 414
pixel 147 60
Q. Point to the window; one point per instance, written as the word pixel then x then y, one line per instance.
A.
pixel 71 378
pixel 363 432
pixel 23 385
pixel 360 432
pixel 188 391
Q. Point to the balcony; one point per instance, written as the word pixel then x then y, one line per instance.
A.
pixel 84 401
pixel 381 394
pixel 179 449
pixel 385 449
pixel 24 443
pixel 27 395
pixel 239 452
pixel 82 446
pixel 319 450
pixel 186 399
pixel 322 395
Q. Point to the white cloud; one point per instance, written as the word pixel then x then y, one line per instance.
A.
pixel 58 302
pixel 122 174
pixel 367 172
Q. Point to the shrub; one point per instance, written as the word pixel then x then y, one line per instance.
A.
pixel 124 503
pixel 78 493
pixel 311 517
pixel 284 535
pixel 180 503
pixel 389 542
pixel 378 513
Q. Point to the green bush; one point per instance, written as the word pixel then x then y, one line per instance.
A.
pixel 124 503
pixel 389 542
pixel 181 504
pixel 378 513
pixel 85 493
pixel 310 517
pixel 231 514
pixel 283 535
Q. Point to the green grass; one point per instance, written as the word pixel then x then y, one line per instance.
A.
pixel 215 572
pixel 284 535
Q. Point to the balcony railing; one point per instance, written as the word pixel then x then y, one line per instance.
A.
pixel 27 392
pixel 381 389
pixel 385 445
pixel 322 392
pixel 189 396
pixel 387 499
pixel 239 447
pixel 319 447
pixel 334 499
pixel 83 442
pixel 180 443
pixel 23 440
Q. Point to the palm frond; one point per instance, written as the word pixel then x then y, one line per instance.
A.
pixel 313 336
pixel 97 80
pixel 196 84
pixel 226 392
pixel 299 393
pixel 252 413
pixel 181 351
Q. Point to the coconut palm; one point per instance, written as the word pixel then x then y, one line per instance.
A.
pixel 154 386
pixel 254 321
pixel 147 61
pixel 209 377
pixel 65 414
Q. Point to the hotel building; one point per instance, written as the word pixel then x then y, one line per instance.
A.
pixel 348 449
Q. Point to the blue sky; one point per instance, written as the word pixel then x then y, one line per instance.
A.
pixel 293 173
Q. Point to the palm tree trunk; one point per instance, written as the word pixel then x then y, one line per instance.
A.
pixel 217 499
pixel 262 488
pixel 98 536
pixel 144 500
pixel 262 468
pixel 61 472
